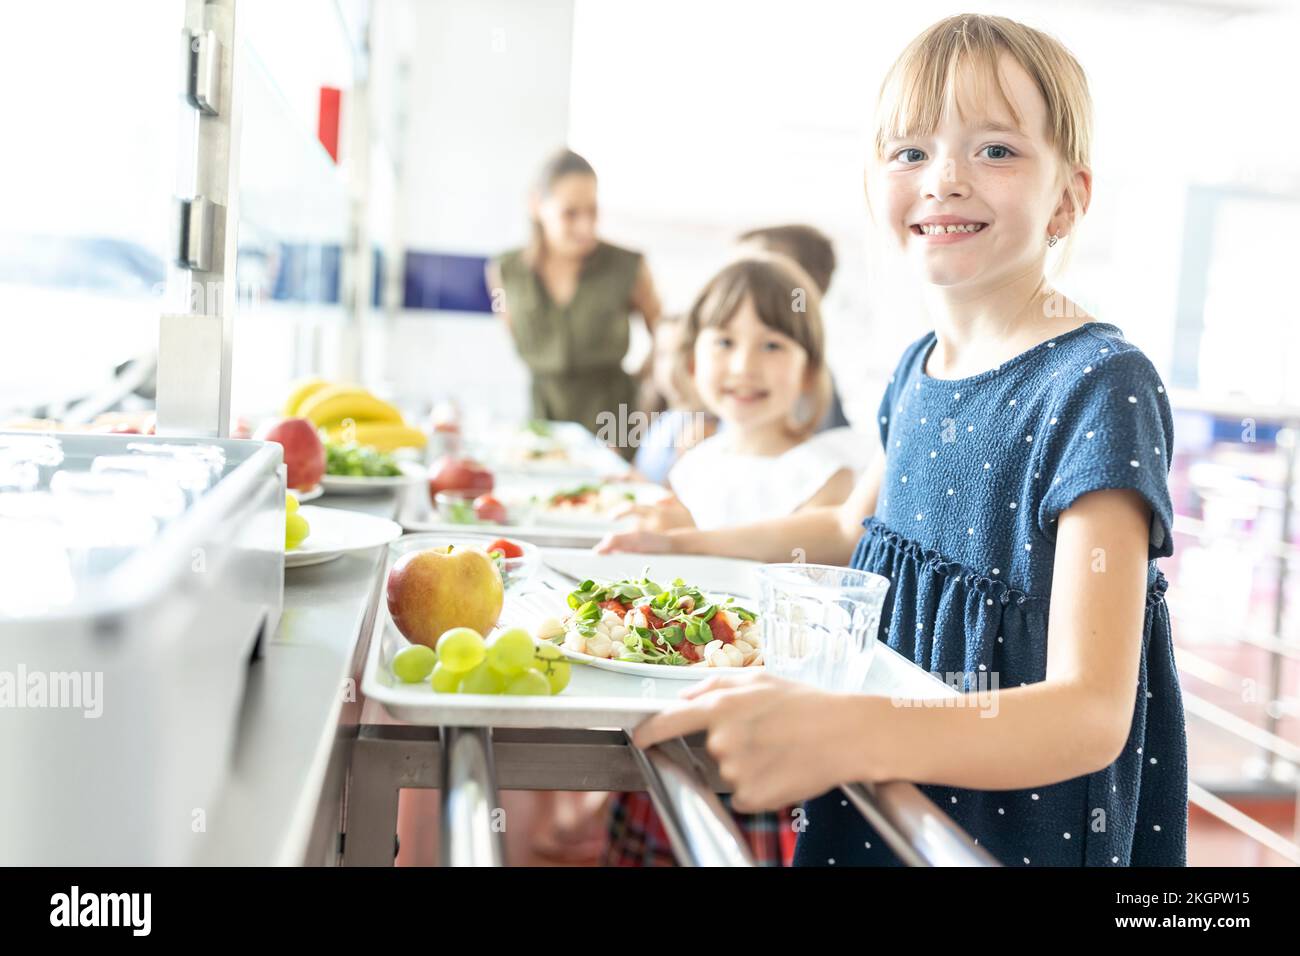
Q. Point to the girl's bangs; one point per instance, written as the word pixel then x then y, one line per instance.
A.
pixel 923 85
pixel 723 298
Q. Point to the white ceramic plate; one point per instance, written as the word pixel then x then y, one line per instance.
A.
pixel 335 532
pixel 720 575
pixel 357 485
pixel 528 610
pixel 310 494
pixel 662 671
pixel 579 454
pixel 643 493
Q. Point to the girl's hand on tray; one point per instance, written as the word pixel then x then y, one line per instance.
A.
pixel 650 542
pixel 663 515
pixel 775 741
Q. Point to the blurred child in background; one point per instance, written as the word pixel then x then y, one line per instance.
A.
pixel 813 250
pixel 754 348
pixel 677 420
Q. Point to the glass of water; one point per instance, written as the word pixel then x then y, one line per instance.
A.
pixel 819 623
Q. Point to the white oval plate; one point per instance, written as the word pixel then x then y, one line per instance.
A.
pixel 664 671
pixel 358 485
pixel 643 493
pixel 335 532
pixel 309 495
pixel 530 608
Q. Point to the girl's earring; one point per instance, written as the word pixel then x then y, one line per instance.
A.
pixel 801 414
pixel 1051 240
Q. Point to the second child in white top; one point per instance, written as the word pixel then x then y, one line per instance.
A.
pixel 754 348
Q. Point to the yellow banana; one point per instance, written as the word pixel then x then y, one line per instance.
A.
pixel 331 405
pixel 300 392
pixel 385 436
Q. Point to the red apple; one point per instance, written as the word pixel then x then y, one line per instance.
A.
pixel 430 592
pixel 304 455
pixel 487 508
pixel 450 473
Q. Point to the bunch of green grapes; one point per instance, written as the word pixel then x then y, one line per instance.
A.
pixel 511 663
pixel 296 528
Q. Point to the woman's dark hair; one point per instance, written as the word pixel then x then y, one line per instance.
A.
pixel 560 164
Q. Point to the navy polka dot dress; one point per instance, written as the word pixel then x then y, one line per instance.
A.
pixel 977 473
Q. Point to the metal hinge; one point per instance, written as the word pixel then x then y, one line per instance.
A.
pixel 197 224
pixel 202 66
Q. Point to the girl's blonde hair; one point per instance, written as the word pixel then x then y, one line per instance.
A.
pixel 922 84
pixel 788 301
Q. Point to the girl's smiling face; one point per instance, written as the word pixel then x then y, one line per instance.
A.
pixel 750 375
pixel 1001 183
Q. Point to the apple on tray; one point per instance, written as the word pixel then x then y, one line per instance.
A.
pixel 491 509
pixel 432 591
pixel 452 473
pixel 304 454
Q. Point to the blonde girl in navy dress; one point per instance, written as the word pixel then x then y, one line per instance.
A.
pixel 1018 510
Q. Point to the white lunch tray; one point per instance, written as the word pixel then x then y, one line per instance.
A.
pixel 594 699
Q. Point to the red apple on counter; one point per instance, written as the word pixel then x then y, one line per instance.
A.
pixel 432 591
pixel 451 473
pixel 304 455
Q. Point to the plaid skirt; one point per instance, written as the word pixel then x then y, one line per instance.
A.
pixel 637 837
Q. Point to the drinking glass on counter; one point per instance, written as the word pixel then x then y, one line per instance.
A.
pixel 22 459
pixel 108 516
pixel 35 566
pixel 210 456
pixel 819 623
pixel 18 475
pixel 189 476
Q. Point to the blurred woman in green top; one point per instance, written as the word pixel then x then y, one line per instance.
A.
pixel 567 298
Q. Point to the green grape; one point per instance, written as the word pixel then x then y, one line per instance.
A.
pixel 296 530
pixel 290 504
pixel 461 649
pixel 511 652
pixel 530 683
pixel 413 664
pixel 551 663
pixel 445 681
pixel 482 680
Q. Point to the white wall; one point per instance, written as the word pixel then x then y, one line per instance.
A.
pixel 487 99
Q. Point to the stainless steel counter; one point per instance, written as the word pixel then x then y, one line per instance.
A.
pixel 282 801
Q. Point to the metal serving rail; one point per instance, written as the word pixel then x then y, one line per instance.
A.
pixel 470 836
pixel 700 830
pixel 680 777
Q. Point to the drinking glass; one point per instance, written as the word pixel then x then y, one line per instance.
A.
pixel 819 623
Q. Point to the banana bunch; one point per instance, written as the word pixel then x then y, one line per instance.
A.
pixel 350 413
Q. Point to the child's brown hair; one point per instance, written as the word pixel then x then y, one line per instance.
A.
pixel 809 247
pixel 786 300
